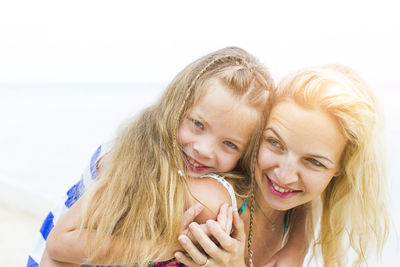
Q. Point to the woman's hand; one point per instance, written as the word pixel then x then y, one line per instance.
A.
pixel 229 253
pixel 189 215
pixel 224 219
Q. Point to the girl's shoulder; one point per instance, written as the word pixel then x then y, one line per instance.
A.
pixel 212 191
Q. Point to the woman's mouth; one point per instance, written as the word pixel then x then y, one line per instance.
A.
pixel 280 191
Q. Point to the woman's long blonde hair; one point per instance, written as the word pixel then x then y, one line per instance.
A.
pixel 140 195
pixel 354 211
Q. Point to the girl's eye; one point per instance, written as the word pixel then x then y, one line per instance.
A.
pixel 198 124
pixel 230 144
pixel 315 162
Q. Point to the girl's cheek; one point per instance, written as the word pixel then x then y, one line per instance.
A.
pixel 183 135
pixel 229 163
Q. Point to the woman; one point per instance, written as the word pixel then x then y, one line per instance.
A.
pixel 320 150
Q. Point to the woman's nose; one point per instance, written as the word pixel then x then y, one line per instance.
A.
pixel 287 171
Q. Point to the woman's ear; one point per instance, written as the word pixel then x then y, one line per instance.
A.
pixel 339 172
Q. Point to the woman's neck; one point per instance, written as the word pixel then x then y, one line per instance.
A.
pixel 271 215
pixel 268 229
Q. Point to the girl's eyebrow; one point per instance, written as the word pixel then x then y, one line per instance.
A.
pixel 197 116
pixel 311 155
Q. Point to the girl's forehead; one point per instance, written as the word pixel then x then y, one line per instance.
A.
pixel 206 86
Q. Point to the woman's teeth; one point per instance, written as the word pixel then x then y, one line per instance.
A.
pixel 279 189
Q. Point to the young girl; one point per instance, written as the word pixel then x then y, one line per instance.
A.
pixel 203 123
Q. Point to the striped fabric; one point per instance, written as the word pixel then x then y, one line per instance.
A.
pixel 74 193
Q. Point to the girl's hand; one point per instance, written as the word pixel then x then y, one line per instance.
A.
pixel 230 252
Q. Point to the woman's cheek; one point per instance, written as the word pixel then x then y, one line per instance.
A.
pixel 265 157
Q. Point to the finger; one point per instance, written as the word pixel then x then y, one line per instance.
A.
pixel 224 239
pixel 229 220
pixel 189 234
pixel 190 214
pixel 205 242
pixel 192 250
pixel 222 216
pixel 187 261
pixel 238 228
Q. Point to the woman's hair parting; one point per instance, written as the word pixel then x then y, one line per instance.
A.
pixel 140 196
pixel 354 211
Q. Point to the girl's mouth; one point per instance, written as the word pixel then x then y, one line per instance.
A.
pixel 195 165
pixel 280 191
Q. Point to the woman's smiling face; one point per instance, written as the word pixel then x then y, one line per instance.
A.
pixel 300 153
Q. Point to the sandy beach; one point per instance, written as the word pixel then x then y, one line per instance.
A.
pixel 18 231
pixel 18 225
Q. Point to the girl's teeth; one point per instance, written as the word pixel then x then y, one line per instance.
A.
pixel 279 189
pixel 194 163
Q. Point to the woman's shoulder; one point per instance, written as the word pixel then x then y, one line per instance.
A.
pixel 212 193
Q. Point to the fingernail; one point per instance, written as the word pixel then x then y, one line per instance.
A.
pixel 178 255
pixel 182 239
pixel 210 223
pixel 193 226
pixel 198 207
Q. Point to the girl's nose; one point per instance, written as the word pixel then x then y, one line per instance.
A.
pixel 204 149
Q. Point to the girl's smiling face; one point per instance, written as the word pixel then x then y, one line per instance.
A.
pixel 300 153
pixel 215 131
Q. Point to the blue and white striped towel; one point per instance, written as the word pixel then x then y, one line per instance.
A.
pixel 88 177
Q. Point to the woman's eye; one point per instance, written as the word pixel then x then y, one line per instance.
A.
pixel 230 144
pixel 198 124
pixel 316 162
pixel 274 143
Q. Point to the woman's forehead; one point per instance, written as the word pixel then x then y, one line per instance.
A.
pixel 309 130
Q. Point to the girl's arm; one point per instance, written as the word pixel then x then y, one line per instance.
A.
pixel 46 261
pixel 67 243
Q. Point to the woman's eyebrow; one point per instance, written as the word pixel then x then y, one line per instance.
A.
pixel 322 157
pixel 311 155
pixel 275 133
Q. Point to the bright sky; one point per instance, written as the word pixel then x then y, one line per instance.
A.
pixel 96 41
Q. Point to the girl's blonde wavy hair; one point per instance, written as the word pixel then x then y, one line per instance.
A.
pixel 354 211
pixel 140 197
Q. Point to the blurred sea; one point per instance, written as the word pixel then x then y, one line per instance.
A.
pixel 48 133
